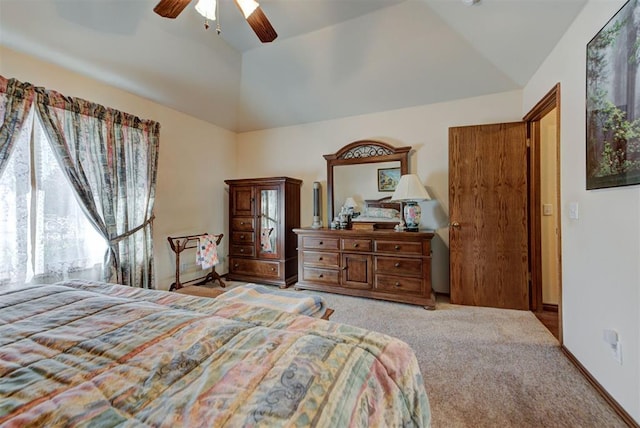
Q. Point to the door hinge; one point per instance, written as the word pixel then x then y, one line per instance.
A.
pixel 528 142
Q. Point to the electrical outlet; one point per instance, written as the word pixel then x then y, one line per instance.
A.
pixel 617 352
pixel 612 339
pixel 574 212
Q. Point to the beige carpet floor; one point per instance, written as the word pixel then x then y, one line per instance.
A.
pixel 484 367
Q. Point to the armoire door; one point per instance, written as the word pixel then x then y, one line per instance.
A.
pixel 488 200
pixel 242 201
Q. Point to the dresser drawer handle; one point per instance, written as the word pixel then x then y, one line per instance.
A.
pixel 242 223
pixel 320 243
pixel 242 250
pixel 397 247
pixel 397 264
pixel 356 245
pixel 273 269
pixel 235 265
pixel 319 258
pixel 397 284
pixel 241 236
pixel 320 276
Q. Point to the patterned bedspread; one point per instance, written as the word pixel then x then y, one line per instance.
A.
pixel 276 298
pixel 94 354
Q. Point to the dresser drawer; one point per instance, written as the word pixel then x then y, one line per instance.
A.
pixel 242 224
pixel 398 266
pixel 261 268
pixel 242 250
pixel 320 275
pixel 356 245
pixel 320 243
pixel 241 237
pixel 398 284
pixel 398 247
pixel 317 258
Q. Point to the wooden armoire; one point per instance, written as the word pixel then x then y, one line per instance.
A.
pixel 262 215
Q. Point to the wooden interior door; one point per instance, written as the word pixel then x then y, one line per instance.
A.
pixel 488 197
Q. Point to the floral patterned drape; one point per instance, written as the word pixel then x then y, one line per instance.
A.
pixel 15 101
pixel 110 158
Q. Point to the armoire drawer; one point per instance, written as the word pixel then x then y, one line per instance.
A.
pixel 242 223
pixel 242 250
pixel 240 237
pixel 261 268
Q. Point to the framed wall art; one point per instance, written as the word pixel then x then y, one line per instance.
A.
pixel 388 179
pixel 613 101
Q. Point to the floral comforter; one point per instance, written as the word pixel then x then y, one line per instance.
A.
pixel 94 354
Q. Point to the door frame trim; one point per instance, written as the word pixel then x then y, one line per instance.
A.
pixel 550 101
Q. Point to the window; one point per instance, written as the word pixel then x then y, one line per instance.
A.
pixel 44 234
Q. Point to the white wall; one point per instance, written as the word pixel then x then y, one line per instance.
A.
pixel 297 151
pixel 194 159
pixel 601 249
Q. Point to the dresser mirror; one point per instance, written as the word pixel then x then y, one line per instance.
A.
pixel 359 170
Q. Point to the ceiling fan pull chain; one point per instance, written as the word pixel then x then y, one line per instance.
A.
pixel 218 29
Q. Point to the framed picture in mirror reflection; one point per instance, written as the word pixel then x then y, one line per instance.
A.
pixel 388 179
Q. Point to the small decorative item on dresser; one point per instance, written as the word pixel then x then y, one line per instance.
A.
pixel 410 191
pixel 317 222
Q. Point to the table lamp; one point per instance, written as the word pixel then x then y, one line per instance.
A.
pixel 351 205
pixel 410 191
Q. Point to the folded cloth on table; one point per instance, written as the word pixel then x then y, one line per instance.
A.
pixel 207 252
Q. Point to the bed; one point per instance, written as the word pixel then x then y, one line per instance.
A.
pixel 378 214
pixel 94 354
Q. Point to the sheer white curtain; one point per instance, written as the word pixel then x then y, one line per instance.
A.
pixel 44 234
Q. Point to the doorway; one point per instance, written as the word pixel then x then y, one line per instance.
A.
pixel 504 206
pixel 543 125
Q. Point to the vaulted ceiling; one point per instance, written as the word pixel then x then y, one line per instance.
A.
pixel 332 58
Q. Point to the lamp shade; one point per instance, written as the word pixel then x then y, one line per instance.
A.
pixel 207 8
pixel 410 188
pixel 350 203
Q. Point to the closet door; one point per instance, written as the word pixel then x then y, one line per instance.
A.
pixel 268 222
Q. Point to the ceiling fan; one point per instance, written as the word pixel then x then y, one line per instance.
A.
pixel 207 8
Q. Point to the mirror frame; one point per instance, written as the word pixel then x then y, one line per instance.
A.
pixel 361 152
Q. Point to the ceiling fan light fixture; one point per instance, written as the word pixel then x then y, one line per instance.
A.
pixel 247 7
pixel 207 8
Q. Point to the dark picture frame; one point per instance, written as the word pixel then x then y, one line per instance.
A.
pixel 388 179
pixel 613 102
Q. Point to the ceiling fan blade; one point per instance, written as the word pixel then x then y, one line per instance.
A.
pixel 259 22
pixel 170 8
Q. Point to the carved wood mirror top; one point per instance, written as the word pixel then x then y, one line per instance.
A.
pixel 361 153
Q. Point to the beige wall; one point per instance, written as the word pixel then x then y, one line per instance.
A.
pixel 548 196
pixel 297 151
pixel 195 157
pixel 600 249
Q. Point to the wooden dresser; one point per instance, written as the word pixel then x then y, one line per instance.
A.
pixel 262 215
pixel 379 264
